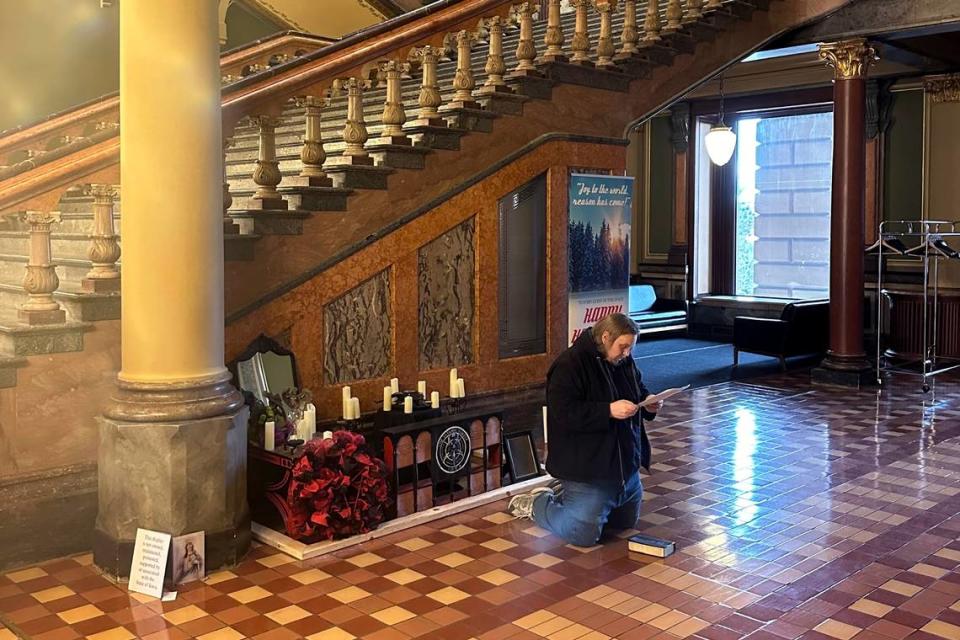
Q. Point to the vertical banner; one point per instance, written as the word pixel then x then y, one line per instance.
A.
pixel 598 259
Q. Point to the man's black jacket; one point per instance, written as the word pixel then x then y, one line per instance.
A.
pixel 585 443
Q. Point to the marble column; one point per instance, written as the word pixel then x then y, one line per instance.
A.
pixel 172 452
pixel 846 361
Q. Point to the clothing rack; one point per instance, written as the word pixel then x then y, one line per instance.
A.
pixel 929 242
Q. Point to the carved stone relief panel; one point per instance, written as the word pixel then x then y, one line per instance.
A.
pixel 356 332
pixel 446 282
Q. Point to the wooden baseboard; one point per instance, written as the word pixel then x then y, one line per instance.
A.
pixel 302 551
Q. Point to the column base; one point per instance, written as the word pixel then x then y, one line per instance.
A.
pixel 848 371
pixel 41 316
pixel 172 477
pixel 273 203
pixel 197 399
pixel 100 285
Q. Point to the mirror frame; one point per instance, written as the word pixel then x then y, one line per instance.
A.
pixel 263 344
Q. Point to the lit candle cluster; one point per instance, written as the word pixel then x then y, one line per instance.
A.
pixel 351 405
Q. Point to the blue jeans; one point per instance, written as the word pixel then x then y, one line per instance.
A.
pixel 581 512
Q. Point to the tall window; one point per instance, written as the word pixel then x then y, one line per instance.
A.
pixel 783 176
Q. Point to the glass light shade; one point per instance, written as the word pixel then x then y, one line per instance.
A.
pixel 720 141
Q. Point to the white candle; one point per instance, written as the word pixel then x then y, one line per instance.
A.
pixel 544 424
pixel 422 388
pixel 453 382
pixel 269 435
pixel 387 398
pixel 461 390
pixel 395 385
pixel 311 416
pixel 354 408
pixel 346 402
pixel 327 435
pixel 408 404
pixel 435 400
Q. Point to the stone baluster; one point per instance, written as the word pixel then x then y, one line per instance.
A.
pixel 651 23
pixel 554 38
pixel 674 15
pixel 712 5
pixel 630 35
pixel 267 173
pixel 393 117
pixel 605 48
pixel 104 249
pixel 312 155
pixel 694 10
pixel 580 44
pixel 355 128
pixel 40 279
pixel 463 82
pixel 526 47
pixel 495 67
pixel 429 98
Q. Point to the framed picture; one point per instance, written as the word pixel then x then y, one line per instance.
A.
pixel 522 460
pixel 188 555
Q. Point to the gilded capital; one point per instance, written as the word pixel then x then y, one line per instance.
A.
pixel 850 59
pixel 40 220
pixel 943 88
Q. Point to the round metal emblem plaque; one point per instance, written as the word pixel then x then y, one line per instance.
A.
pixel 452 452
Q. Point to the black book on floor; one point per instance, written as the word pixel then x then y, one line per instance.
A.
pixel 650 546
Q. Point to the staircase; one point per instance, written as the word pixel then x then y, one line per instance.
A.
pixel 286 97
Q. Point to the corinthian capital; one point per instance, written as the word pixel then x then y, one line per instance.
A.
pixel 945 88
pixel 850 59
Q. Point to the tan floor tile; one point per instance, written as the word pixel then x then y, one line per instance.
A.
pixel 573 632
pixel 226 633
pixel 275 560
pixel 365 559
pixel 250 594
pixel 219 576
pixel 871 608
pixel 942 629
pixel 335 633
pixel 459 530
pixel 6 634
pixel 55 593
pixel 86 612
pixel 288 614
pixel 454 559
pixel 543 560
pixel 498 544
pixel 498 577
pixel 949 554
pixel 498 518
pixel 84 559
pixel 533 619
pixel 414 544
pixel 184 614
pixel 553 625
pixel 903 588
pixel 595 635
pixel 594 594
pixel 669 619
pixel 649 613
pixel 405 576
pixel 26 574
pixel 611 600
pixel 448 595
pixel 393 615
pixel 117 633
pixel 839 630
pixel 536 532
pixel 310 576
pixel 349 594
pixel 689 627
pixel 929 570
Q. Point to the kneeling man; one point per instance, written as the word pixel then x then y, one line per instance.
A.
pixel 596 434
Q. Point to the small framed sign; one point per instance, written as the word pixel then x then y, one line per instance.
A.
pixel 149 563
pixel 523 462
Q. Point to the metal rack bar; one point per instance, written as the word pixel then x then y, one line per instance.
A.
pixel 925 231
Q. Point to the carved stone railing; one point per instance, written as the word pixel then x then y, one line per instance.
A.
pixel 24 147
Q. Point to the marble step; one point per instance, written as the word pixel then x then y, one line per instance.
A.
pixel 81 306
pixel 18 339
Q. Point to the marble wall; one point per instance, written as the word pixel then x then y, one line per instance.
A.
pixel 447 274
pixel 356 330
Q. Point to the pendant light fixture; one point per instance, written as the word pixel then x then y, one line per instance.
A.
pixel 720 140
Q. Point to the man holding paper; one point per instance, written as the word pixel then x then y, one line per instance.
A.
pixel 596 405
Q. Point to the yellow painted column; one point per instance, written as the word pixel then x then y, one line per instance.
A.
pixel 171 161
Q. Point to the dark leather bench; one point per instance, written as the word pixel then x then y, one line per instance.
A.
pixel 653 314
pixel 802 329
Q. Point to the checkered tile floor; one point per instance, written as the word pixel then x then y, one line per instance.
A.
pixel 798 512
